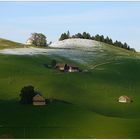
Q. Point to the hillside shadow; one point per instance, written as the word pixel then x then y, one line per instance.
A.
pixel 28 121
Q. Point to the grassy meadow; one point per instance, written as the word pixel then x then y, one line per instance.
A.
pixel 4 43
pixel 87 102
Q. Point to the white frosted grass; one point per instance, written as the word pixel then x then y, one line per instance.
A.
pixel 85 51
pixel 81 56
pixel 23 51
pixel 72 43
pixel 80 44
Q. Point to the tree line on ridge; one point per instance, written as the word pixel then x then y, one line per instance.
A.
pixel 97 37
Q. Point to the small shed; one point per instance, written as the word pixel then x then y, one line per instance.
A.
pixel 124 99
pixel 39 100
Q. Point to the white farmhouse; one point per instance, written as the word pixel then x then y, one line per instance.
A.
pixel 29 41
pixel 124 99
pixel 73 69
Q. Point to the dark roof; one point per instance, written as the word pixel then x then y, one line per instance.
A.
pixel 60 65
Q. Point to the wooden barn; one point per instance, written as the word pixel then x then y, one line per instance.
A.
pixel 124 99
pixel 39 100
pixel 67 67
pixel 60 66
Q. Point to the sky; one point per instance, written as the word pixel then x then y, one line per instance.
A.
pixel 118 20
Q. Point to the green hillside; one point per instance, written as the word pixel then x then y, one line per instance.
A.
pixel 86 103
pixel 4 43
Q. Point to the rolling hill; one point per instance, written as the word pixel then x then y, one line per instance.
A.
pixel 85 104
pixel 76 43
pixel 4 43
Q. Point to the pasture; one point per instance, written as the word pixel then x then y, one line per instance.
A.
pixel 87 102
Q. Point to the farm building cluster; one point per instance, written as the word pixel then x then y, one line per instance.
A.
pixel 67 67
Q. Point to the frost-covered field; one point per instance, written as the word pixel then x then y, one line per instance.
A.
pixel 79 55
pixel 80 50
pixel 24 51
pixel 75 43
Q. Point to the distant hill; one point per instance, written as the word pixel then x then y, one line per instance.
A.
pixel 73 49
pixel 90 45
pixel 74 43
pixel 4 43
pixel 97 37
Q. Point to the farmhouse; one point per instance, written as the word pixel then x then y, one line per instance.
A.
pixel 29 41
pixel 38 100
pixel 124 99
pixel 73 69
pixel 60 66
pixel 67 67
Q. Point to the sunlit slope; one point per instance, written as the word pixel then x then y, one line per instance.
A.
pixel 80 50
pixel 4 43
pixel 90 52
pixel 75 43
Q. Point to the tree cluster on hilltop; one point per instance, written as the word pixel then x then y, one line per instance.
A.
pixel 97 37
pixel 65 36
